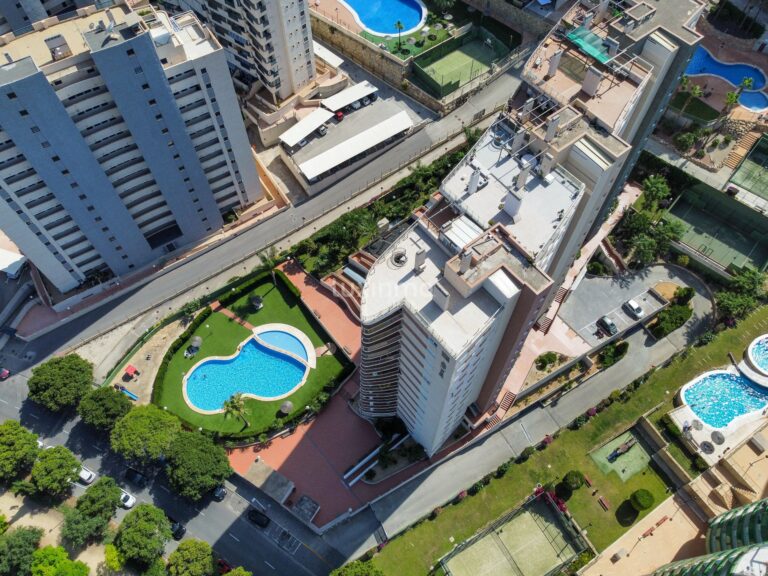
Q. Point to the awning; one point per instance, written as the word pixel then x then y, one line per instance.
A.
pixel 326 55
pixel 305 127
pixel 130 370
pixel 357 144
pixel 349 95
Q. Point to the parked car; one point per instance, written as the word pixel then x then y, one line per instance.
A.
pixel 219 493
pixel 322 130
pixel 177 529
pixel 355 105
pixel 86 476
pixel 374 97
pixel 366 101
pixel 223 567
pixel 303 143
pixel 634 309
pixel 136 477
pixel 608 326
pixel 259 518
pixel 5 373
pixel 127 501
pixel 339 116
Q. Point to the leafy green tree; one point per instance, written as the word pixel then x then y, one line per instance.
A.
pixel 731 99
pixel 234 407
pixel 191 558
pixel 573 479
pixel 16 549
pixel 157 568
pixel 103 407
pixel 670 319
pixel 641 499
pixel 144 434
pixel 60 383
pixel 143 534
pixel 655 189
pixel 18 450
pixel 645 248
pixel 240 571
pixel 54 561
pixel 89 519
pixel 749 281
pixel 685 141
pixel 666 232
pixel 196 464
pixel 54 471
pixel 735 305
pixel 357 568
pixel 635 223
pixel 113 560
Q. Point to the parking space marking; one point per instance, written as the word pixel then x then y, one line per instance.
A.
pixel 235 538
pixel 268 564
pixel 164 488
pixel 3 401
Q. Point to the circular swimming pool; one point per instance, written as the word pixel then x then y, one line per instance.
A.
pixel 758 354
pixel 719 397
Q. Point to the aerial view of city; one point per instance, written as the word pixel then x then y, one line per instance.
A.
pixel 384 288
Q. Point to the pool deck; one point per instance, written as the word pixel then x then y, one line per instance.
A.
pixel 337 12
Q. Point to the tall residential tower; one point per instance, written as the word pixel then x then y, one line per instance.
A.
pixel 121 140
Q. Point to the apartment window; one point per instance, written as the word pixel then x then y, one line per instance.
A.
pixel 158 116
pixel 65 172
pixel 74 185
pixel 23 113
pixel 152 102
pixel 145 86
pixel 46 144
pixel 35 129
pixel 81 197
pixel 55 158
pixel 137 70
pixel 163 60
pixel 11 95
pixel 130 52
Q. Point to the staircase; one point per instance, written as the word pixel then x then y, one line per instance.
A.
pixel 506 402
pixel 543 324
pixel 492 422
pixel 741 149
pixel 348 291
pixel 561 295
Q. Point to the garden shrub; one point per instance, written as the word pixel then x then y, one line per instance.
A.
pixel 527 452
pixel 290 286
pixel 543 361
pixel 596 268
pixel 671 427
pixel 683 260
pixel 574 479
pixel 641 499
pixel 683 295
pixel 612 353
pixel 670 319
pixel 700 464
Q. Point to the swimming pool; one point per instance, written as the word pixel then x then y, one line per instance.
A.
pixel 755 101
pixel 255 371
pixel 379 16
pixel 719 397
pixel 758 353
pixel 283 341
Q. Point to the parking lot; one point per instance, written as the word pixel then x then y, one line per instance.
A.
pixel 598 296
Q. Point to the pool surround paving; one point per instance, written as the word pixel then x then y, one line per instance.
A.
pixel 751 355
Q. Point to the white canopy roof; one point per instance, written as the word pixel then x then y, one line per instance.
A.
pixel 349 95
pixel 358 143
pixel 326 55
pixel 305 127
pixel 11 262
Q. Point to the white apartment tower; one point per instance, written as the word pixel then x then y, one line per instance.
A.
pixel 120 140
pixel 267 41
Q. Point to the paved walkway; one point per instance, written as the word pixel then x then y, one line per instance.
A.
pixel 717 180
pixel 216 306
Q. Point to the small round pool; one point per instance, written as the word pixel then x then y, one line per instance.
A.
pixel 755 101
pixel 758 354
pixel 284 341
pixel 720 397
pixel 380 16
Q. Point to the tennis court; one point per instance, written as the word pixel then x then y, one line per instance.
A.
pixel 530 543
pixel 634 461
pixel 721 228
pixel 752 173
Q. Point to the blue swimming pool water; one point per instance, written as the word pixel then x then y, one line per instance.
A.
pixel 703 63
pixel 759 353
pixel 379 16
pixel 284 341
pixel 255 370
pixel 756 101
pixel 720 397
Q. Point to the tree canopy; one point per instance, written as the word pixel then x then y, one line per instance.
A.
pixel 655 189
pixel 144 434
pixel 143 534
pixel 54 561
pixel 357 568
pixel 16 549
pixel 60 383
pixel 196 464
pixel 54 470
pixel 89 519
pixel 103 407
pixel 18 450
pixel 191 558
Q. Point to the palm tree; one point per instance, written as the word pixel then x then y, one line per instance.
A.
pixel 731 99
pixel 269 258
pixel 746 84
pixel 399 27
pixel 235 408
pixel 695 91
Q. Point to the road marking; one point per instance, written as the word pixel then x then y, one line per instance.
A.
pixel 235 538
pixel 3 401
pixel 35 417
pixel 164 488
pixel 268 564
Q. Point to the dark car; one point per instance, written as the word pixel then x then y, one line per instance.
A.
pixel 259 518
pixel 135 477
pixel 608 326
pixel 223 567
pixel 219 493
pixel 177 529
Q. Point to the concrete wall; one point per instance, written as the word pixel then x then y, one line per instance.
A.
pixel 514 17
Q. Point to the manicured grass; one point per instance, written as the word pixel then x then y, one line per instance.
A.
pixel 222 338
pixel 419 548
pixel 402 48
pixel 696 108
pixel 653 212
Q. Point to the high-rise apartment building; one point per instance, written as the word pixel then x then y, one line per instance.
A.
pixel 121 139
pixel 267 41
pixel 18 16
pixel 743 526
pixel 446 309
pixel 747 561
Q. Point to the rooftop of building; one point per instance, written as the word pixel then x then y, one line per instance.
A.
pixel 643 17
pixel 546 203
pixel 51 46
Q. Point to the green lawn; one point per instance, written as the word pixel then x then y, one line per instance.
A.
pixel 222 336
pixel 697 109
pixel 415 551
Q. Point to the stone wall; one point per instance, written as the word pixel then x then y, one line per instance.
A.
pixel 518 19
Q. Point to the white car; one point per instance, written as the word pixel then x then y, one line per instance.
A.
pixel 634 309
pixel 127 501
pixel 86 476
pixel 356 105
pixel 40 444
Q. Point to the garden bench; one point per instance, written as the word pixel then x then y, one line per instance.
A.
pixel 604 503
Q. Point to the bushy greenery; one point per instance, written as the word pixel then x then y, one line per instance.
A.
pixel 143 534
pixel 545 360
pixel 144 434
pixel 18 450
pixel 54 471
pixel 54 561
pixel 60 383
pixel 573 479
pixel 191 558
pixel 612 353
pixel 16 549
pixel 655 189
pixel 745 292
pixel 641 499
pixel 358 568
pixel 103 407
pixel 685 141
pixel 596 268
pixel 88 520
pixel 684 294
pixel 196 465
pixel 670 319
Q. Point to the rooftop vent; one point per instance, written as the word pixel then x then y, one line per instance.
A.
pixel 399 258
pixel 419 261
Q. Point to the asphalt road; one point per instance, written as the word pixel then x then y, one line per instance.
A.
pixel 286 547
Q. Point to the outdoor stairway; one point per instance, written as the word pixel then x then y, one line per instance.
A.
pixel 492 422
pixel 561 295
pixel 543 324
pixel 507 401
pixel 741 149
pixel 611 252
pixel 363 258
pixel 346 290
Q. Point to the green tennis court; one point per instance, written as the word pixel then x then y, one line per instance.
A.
pixel 752 173
pixel 627 465
pixel 463 64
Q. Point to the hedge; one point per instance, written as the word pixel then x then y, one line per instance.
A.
pixel 235 294
pixel 670 319
pixel 290 286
